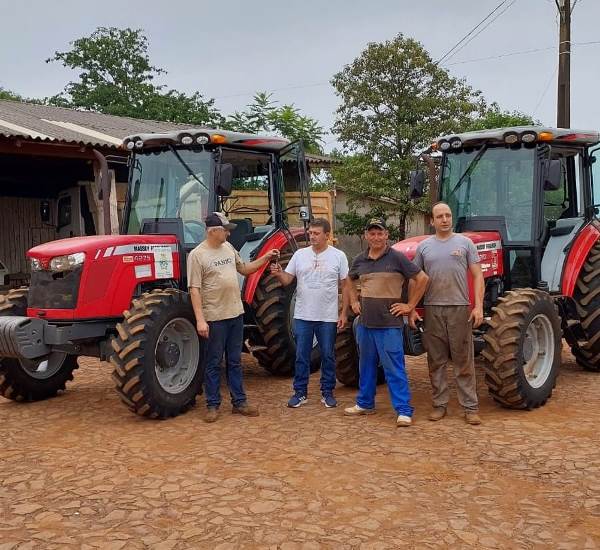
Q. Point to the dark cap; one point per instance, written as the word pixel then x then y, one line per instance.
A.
pixel 376 222
pixel 216 219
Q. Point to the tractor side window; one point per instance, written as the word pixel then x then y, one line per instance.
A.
pixel 563 202
pixel 595 176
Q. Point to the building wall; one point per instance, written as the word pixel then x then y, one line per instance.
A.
pixel 21 228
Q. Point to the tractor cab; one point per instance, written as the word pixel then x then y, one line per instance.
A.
pixel 177 179
pixel 531 185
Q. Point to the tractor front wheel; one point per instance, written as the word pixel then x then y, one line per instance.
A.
pixel 157 359
pixel 31 380
pixel 523 347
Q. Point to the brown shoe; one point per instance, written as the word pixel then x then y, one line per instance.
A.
pixel 245 409
pixel 211 414
pixel 472 418
pixel 437 414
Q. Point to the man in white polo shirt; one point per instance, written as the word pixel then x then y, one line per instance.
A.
pixel 319 270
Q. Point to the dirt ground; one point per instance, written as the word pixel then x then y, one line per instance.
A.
pixel 81 471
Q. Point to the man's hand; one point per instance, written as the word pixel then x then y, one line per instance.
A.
pixel 272 255
pixel 202 328
pixel 413 317
pixel 355 307
pixel 342 321
pixel 400 308
pixel 476 316
pixel 276 269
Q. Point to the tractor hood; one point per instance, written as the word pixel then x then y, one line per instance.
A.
pixel 99 246
pixel 484 240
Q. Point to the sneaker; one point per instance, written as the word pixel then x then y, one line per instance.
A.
pixel 437 413
pixel 329 401
pixel 472 418
pixel 357 410
pixel 212 414
pixel 403 421
pixel 297 400
pixel 245 410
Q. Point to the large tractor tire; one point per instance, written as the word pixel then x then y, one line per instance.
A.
pixel 274 309
pixel 587 301
pixel 27 380
pixel 346 357
pixel 523 347
pixel 158 360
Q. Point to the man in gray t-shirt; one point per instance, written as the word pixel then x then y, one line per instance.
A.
pixel 446 258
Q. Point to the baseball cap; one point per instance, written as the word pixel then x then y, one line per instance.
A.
pixel 376 222
pixel 216 219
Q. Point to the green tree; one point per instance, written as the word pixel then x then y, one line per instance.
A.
pixel 116 77
pixel 7 94
pixel 394 101
pixel 494 117
pixel 263 115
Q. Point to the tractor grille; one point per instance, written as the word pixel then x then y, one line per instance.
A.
pixel 50 290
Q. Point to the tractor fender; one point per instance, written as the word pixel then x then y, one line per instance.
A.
pixel 578 253
pixel 278 240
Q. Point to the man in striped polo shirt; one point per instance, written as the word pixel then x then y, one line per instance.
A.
pixel 382 271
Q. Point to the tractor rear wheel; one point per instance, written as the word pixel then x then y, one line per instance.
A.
pixel 587 301
pixel 274 309
pixel 157 359
pixel 31 380
pixel 523 349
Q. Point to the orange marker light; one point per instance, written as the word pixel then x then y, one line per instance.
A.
pixel 218 138
pixel 545 136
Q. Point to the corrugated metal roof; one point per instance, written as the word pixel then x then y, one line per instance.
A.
pixel 49 124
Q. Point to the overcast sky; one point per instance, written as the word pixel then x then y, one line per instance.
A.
pixel 229 50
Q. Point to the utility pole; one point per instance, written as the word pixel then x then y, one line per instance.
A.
pixel 563 113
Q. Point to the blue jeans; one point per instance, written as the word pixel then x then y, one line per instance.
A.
pixel 304 332
pixel 385 346
pixel 224 337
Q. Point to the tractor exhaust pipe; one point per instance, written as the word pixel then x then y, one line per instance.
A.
pixel 104 193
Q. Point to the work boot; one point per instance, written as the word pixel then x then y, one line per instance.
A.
pixel 245 409
pixel 437 413
pixel 357 410
pixel 212 414
pixel 471 417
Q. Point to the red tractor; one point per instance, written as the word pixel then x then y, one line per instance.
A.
pixel 123 298
pixel 528 197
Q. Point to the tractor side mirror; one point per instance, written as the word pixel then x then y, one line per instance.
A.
pixel 224 180
pixel 552 175
pixel 417 184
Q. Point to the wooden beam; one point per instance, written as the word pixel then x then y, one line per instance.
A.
pixel 64 150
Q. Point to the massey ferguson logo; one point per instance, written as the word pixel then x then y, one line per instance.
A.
pixel 141 248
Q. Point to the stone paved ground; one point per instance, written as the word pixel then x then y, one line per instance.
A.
pixel 81 471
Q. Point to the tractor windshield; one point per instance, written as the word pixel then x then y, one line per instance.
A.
pixel 494 181
pixel 171 184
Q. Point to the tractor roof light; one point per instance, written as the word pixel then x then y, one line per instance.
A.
pixel 130 145
pixel 455 143
pixel 510 138
pixel 444 145
pixel 546 136
pixel 187 140
pixel 139 144
pixel 218 138
pixel 528 137
pixel 202 139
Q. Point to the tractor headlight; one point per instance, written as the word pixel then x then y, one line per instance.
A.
pixel 36 265
pixel 66 263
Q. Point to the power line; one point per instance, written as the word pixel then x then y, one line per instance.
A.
pixel 547 87
pixel 449 52
pixel 482 29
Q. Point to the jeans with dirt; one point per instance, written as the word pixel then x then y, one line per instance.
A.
pixel 385 346
pixel 224 337
pixel 448 338
pixel 325 333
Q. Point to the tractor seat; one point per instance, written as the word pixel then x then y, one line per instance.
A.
pixel 237 237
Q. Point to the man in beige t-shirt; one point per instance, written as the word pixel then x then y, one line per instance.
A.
pixel 215 292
